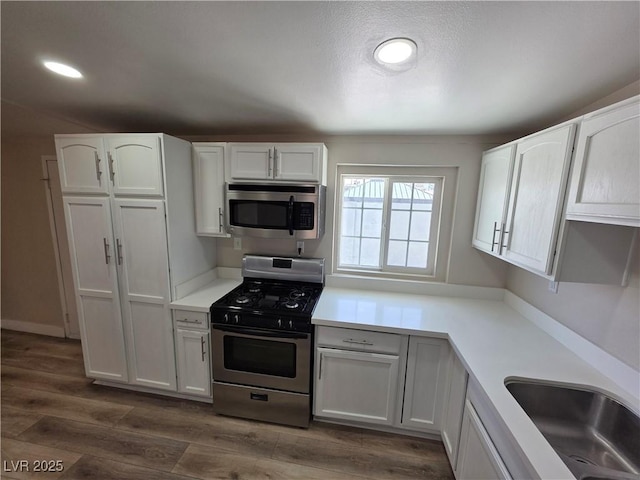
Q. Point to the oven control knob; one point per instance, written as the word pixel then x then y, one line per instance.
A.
pixel 236 319
pixel 226 318
pixel 279 322
pixel 290 324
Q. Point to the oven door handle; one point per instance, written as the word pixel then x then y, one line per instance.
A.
pixel 260 333
pixel 290 215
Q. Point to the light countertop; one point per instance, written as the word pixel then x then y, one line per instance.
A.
pixel 201 300
pixel 493 341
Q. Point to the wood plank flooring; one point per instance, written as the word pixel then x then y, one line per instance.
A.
pixel 50 411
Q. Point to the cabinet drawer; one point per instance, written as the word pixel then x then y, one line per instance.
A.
pixel 186 318
pixel 363 340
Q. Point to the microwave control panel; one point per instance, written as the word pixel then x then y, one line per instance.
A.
pixel 303 213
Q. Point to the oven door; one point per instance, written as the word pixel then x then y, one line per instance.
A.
pixel 261 358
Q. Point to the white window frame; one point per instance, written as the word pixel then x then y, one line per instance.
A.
pixel 440 234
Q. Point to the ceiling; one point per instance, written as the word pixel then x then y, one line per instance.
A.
pixel 198 68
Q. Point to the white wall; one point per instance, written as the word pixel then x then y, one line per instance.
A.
pixel 608 316
pixel 467 265
pixel 30 294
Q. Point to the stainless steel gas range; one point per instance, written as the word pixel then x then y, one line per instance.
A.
pixel 261 340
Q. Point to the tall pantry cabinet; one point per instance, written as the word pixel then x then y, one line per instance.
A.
pixel 131 227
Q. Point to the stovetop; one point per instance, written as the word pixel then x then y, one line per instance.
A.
pixel 270 297
pixel 268 304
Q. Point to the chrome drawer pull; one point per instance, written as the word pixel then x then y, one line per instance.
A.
pixel 186 320
pixel 358 342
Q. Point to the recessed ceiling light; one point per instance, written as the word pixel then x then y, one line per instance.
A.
pixel 395 51
pixel 62 69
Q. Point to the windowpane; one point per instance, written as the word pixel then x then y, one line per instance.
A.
pixel 373 189
pixel 370 252
pixel 349 250
pixel 418 252
pixel 399 225
pixel 420 226
pixel 352 192
pixel 372 223
pixel 351 221
pixel 401 196
pixel 423 196
pixel 397 253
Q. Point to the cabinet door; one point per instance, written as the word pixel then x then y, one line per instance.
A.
pixel 356 386
pixel 141 254
pixel 604 182
pixel 454 406
pixel 192 359
pixel 478 458
pixel 537 193
pixel 208 180
pixel 82 164
pixel 425 383
pixel 93 264
pixel 250 161
pixel 298 162
pixel 493 198
pixel 135 164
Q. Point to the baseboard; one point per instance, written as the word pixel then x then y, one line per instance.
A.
pixel 162 393
pixel 31 327
pixel 618 371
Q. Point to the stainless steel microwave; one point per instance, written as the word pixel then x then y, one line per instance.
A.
pixel 275 210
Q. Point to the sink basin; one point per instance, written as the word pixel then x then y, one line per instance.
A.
pixel 594 435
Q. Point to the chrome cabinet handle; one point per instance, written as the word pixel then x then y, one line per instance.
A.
pixel 502 244
pixel 320 367
pixel 220 218
pixel 119 251
pixel 358 342
pixel 112 172
pixel 269 165
pixel 98 172
pixel 186 320
pixel 493 238
pixel 107 257
pixel 275 162
pixel 203 349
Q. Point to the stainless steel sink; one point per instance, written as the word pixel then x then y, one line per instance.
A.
pixel 595 436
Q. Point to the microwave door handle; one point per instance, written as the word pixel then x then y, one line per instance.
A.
pixel 290 215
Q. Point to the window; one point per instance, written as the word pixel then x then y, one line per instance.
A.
pixel 389 224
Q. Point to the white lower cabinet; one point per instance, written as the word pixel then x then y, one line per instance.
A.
pixel 425 383
pixel 478 458
pixel 455 393
pixel 380 378
pixel 358 386
pixel 193 357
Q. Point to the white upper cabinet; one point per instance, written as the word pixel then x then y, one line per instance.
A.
pixel 536 200
pixel 605 183
pixel 287 162
pixel 208 181
pixel 493 198
pixel 122 164
pixel 250 161
pixel 82 164
pixel 135 164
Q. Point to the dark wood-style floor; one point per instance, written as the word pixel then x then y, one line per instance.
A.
pixel 50 411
